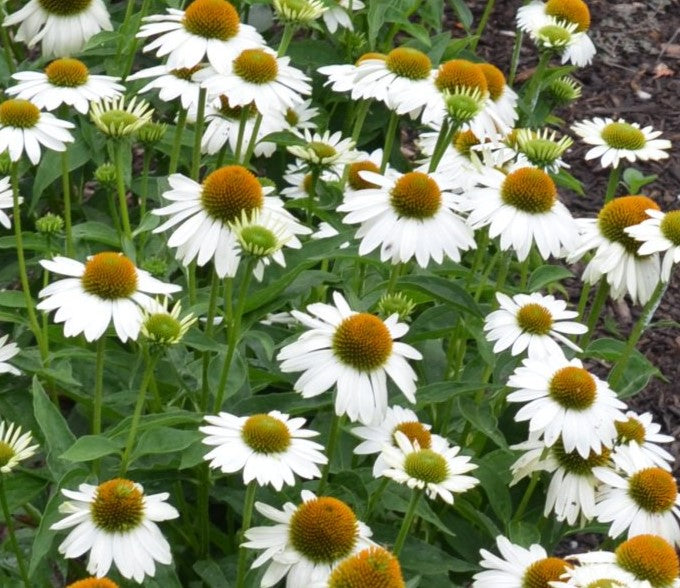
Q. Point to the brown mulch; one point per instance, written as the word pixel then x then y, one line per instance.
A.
pixel 635 76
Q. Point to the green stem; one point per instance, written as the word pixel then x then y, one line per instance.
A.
pixel 392 129
pixel 234 333
pixel 98 399
pixel 526 497
pixel 595 309
pixel 144 189
pixel 373 500
pixel 139 406
pixel 532 94
pixel 243 121
pixel 333 435
pixel 177 141
pixel 7 46
pixel 485 275
pixel 40 337
pixel 203 507
pixel 247 517
pixel 406 523
pixel 286 38
pixel 9 524
pixel 66 190
pixel 120 188
pixel 488 9
pixel 394 276
pixel 524 273
pixel 583 300
pixel 502 273
pixel 212 306
pixel 443 141
pixel 514 61
pixel 198 134
pixel 642 323
pixel 128 14
pixel 359 119
pixel 613 183
pixel 133 50
pixel 253 140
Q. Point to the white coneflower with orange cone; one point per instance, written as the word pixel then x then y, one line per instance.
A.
pixel 660 233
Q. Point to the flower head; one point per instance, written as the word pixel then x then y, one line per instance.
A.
pixel 372 567
pixel 325 150
pixel 116 119
pixel 164 327
pixel 93 582
pixel 270 448
pixel 14 447
pixel 299 11
pixel 111 518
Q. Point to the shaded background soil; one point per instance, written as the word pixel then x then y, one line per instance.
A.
pixel 636 76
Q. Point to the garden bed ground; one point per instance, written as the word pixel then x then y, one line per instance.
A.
pixel 635 76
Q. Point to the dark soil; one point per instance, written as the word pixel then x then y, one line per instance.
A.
pixel 636 76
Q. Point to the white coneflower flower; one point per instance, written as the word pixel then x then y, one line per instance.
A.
pixel 300 116
pixel 298 11
pixel 64 81
pixel 518 567
pixel 223 126
pixel 660 233
pixel 338 15
pixel 341 77
pixel 541 148
pixel 14 447
pixel 115 118
pixel 299 179
pixel 373 567
pixel 605 575
pixel 260 77
pixel 307 541
pixel 271 448
pixel 639 430
pixel 8 351
pixel 23 128
pixel 376 435
pixel 171 83
pixel 438 470
pixel 571 21
pixel 207 28
pixel 328 150
pixel 566 403
pixel 116 523
pixel 643 499
pixel 522 207
pixel 616 140
pixel 616 252
pixel 203 214
pixel 502 102
pixel 353 351
pixel 649 559
pixel 163 326
pixel 108 287
pixel 402 80
pixel 63 27
pixel 532 322
pixel 408 215
pixel 6 201
pixel 571 492
pixel 364 162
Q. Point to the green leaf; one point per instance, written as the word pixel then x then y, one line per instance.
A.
pixel 97 232
pixel 283 139
pixel 49 168
pixel 57 435
pixel 463 13
pixel 12 299
pixel 443 391
pixel 494 475
pixel 545 275
pixel 566 180
pixel 443 290
pixel 482 419
pixel 211 574
pixel 164 440
pixel 90 447
pixel 635 180
pixel 22 488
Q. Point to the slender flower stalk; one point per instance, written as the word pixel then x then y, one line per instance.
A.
pixel 392 129
pixel 119 152
pixel 9 523
pixel 286 38
pixel 613 183
pixel 248 504
pixel 595 309
pixel 333 435
pixel 198 133
pixel 406 523
pixel 488 9
pixel 533 90
pixel 177 141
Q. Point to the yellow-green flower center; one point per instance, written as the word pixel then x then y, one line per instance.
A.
pixel 574 11
pixel 363 342
pixel 621 135
pixel 426 465
pixel 555 35
pixel 495 80
pixel 212 19
pixel 573 388
pixel 416 195
pixel 409 63
pixel 291 117
pixel 109 275
pixel 605 583
pixel 256 66
pixel 19 113
pixel 258 240
pixel 416 433
pixel 67 72
pixel 374 567
pixel 573 463
pixel 118 120
pixel 535 319
pixel 460 73
pixel 6 453
pixel 630 430
pixel 65 7
pixel 163 327
pixel 530 190
pixel 653 489
pixel 118 506
pixel 229 191
pixel 324 530
pixel 322 150
pixel 670 226
pixel 621 213
pixel 266 434
pixel 650 558
pixel 355 181
pixel 543 571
